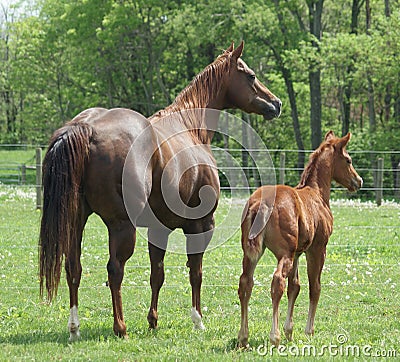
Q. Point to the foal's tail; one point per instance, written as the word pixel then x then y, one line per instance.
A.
pixel 63 169
pixel 253 228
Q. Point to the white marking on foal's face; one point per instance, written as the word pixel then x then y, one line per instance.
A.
pixel 73 324
pixel 197 320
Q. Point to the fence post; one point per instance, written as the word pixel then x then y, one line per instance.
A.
pixel 282 168
pixel 38 178
pixel 397 182
pixel 23 174
pixel 379 182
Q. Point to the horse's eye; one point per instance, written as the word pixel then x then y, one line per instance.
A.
pixel 348 160
pixel 252 77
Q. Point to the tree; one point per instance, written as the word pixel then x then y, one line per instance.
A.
pixel 315 25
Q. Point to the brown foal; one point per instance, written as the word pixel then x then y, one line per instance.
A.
pixel 291 221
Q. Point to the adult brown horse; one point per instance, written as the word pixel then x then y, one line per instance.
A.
pixel 291 221
pixel 116 163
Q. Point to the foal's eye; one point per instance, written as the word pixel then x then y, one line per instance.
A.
pixel 252 77
pixel 348 160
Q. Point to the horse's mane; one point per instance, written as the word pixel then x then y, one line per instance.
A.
pixel 197 95
pixel 309 170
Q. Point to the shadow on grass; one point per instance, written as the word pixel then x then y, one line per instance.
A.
pixel 88 334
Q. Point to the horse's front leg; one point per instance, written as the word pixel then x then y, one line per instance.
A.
pixel 293 292
pixel 157 243
pixel 196 244
pixel 315 262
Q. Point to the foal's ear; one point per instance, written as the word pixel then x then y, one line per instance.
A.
pixel 330 135
pixel 344 140
pixel 230 49
pixel 236 54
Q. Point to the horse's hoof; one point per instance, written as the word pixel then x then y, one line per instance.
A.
pixel 74 333
pixel 197 320
pixel 74 336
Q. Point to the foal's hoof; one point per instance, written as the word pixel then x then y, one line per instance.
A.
pixel 242 345
pixel 275 339
pixel 289 335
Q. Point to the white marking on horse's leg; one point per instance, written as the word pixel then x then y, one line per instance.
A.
pixel 73 324
pixel 196 318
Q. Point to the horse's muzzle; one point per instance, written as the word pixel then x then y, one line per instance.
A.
pixel 272 109
pixel 356 184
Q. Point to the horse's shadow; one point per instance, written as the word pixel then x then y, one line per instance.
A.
pixel 231 346
pixel 96 334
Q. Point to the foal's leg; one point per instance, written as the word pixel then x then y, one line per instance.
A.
pixel 122 237
pixel 293 292
pixel 73 270
pixel 277 288
pixel 157 246
pixel 245 288
pixel 315 262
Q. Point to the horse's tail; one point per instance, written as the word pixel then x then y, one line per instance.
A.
pixel 253 229
pixel 63 169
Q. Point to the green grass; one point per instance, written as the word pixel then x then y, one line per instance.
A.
pixel 360 294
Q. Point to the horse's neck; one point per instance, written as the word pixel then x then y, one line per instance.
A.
pixel 201 122
pixel 319 177
pixel 198 106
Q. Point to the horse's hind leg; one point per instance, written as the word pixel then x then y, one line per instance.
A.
pixel 122 237
pixel 245 288
pixel 73 270
pixel 157 246
pixel 293 292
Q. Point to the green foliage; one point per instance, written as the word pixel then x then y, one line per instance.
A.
pixel 58 58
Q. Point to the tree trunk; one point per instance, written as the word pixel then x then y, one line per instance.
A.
pixel 295 118
pixel 287 76
pixel 315 18
pixel 245 155
pixel 346 100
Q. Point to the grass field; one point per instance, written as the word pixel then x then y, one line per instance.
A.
pixel 358 313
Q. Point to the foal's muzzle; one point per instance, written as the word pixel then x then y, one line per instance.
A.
pixel 356 184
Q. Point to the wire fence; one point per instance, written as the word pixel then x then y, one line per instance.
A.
pixel 380 170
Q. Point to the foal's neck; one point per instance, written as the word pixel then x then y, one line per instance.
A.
pixel 318 174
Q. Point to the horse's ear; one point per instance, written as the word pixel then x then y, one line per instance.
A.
pixel 344 140
pixel 236 54
pixel 230 49
pixel 329 135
